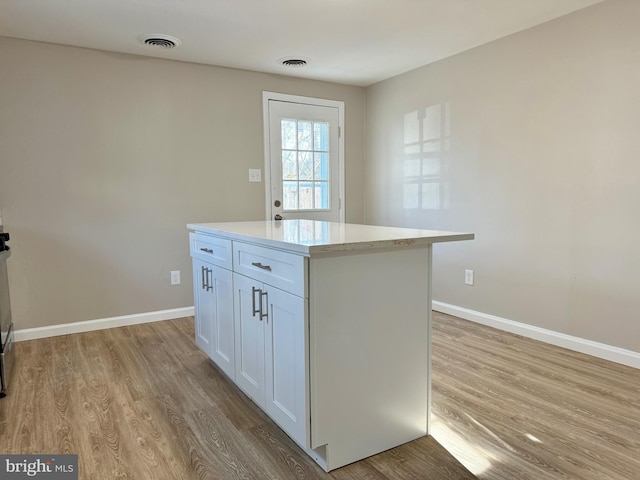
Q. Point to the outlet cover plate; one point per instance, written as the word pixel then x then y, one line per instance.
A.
pixel 468 277
pixel 255 175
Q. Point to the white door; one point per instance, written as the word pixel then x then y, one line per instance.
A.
pixel 204 306
pixel 304 168
pixel 286 364
pixel 223 346
pixel 249 337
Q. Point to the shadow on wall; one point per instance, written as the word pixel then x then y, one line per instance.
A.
pixel 425 160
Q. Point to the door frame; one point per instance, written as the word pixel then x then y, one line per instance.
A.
pixel 321 102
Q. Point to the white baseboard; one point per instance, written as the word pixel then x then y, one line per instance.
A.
pixel 600 350
pixel 101 324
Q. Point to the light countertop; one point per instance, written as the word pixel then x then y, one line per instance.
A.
pixel 310 237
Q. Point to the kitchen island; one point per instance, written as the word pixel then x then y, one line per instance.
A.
pixel 325 326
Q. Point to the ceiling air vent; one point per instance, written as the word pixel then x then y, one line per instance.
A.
pixel 293 62
pixel 158 40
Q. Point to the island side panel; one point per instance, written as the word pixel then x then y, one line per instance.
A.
pixel 369 351
pixel 429 274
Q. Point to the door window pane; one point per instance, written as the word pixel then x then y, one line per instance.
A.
pixel 305 140
pixel 321 166
pixel 305 161
pixel 290 195
pixel 305 165
pixel 289 165
pixel 321 136
pixel 321 194
pixel 289 134
pixel 306 196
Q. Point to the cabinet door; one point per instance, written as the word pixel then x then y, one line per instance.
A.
pixel 249 327
pixel 213 302
pixel 223 342
pixel 203 306
pixel 286 364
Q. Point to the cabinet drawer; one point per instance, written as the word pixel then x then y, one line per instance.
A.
pixel 282 270
pixel 211 249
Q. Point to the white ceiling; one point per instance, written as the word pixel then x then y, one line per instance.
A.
pixel 357 42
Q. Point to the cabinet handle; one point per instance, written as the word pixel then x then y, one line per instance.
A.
pixel 204 285
pixel 264 315
pixel 259 265
pixel 207 250
pixel 209 284
pixel 253 301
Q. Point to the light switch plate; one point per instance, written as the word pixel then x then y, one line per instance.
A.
pixel 255 175
pixel 468 277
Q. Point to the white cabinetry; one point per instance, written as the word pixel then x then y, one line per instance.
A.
pixel 286 378
pixel 272 336
pixel 204 306
pixel 254 324
pixel 331 328
pixel 249 327
pixel 213 300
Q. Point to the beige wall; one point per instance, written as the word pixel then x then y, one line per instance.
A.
pixel 539 153
pixel 104 159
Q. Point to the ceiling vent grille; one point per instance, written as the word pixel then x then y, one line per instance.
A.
pixel 157 40
pixel 293 62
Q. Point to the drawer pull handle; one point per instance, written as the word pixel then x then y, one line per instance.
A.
pixel 259 265
pixel 207 250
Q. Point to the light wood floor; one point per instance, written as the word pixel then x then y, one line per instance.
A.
pixel 142 402
pixel 512 408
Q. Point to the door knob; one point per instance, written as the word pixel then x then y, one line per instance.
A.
pixel 278 217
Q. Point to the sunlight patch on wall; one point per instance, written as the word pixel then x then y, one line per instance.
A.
pixel 426 158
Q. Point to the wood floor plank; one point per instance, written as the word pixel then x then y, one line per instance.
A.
pixel 229 452
pixel 549 412
pixel 422 458
pixel 280 457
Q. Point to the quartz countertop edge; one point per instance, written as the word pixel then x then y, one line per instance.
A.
pixel 309 237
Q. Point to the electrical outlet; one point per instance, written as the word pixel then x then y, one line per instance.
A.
pixel 468 277
pixel 255 175
pixel 175 277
